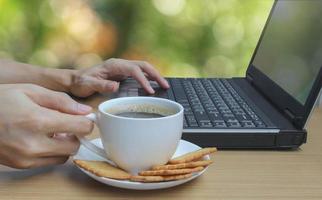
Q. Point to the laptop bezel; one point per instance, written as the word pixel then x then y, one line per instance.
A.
pixel 285 103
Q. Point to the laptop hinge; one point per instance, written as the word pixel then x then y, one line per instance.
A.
pixel 293 118
pixel 249 78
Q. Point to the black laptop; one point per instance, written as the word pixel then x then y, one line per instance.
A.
pixel 270 106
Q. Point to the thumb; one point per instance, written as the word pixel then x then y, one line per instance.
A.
pixel 103 86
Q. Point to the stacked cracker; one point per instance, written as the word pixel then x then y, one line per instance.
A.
pixel 178 168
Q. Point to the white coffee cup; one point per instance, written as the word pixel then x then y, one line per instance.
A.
pixel 136 144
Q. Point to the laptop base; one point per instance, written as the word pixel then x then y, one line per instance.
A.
pixel 283 136
pixel 285 140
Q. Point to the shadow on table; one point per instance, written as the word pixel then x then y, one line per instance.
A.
pixel 16 174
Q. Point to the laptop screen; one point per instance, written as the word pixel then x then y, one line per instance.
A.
pixel 290 52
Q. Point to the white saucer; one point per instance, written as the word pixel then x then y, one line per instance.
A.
pixel 183 148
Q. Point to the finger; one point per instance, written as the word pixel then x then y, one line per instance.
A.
pixel 118 78
pixel 64 103
pixel 31 157
pixel 63 136
pixel 103 86
pixel 153 73
pixel 46 161
pixel 62 144
pixel 57 122
pixel 138 75
pixel 59 101
pixel 25 162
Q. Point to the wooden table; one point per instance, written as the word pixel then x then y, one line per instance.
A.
pixel 234 175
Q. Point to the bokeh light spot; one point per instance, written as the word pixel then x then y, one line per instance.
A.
pixel 169 7
pixel 44 58
pixel 228 30
pixel 219 65
pixel 87 60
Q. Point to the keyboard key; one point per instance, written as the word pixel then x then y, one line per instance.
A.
pixel 226 111
pixel 205 123
pixel 259 124
pixel 228 117
pixel 186 106
pixel 199 111
pixel 197 106
pixel 214 116
pixel 212 108
pixel 201 116
pixel 208 105
pixel 179 93
pixel 193 124
pixel 233 124
pixel 242 117
pixel 183 101
pixel 247 124
pixel 219 123
pixel 191 119
pixel 254 117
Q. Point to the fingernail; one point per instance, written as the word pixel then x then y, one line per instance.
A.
pixel 63 136
pixel 116 86
pixel 151 90
pixel 112 86
pixel 60 135
pixel 84 108
pixel 166 84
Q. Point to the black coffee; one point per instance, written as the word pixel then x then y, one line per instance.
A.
pixel 139 115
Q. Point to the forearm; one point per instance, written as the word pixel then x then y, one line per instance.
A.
pixel 55 79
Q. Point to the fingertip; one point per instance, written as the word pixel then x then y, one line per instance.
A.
pixel 111 86
pixel 165 84
pixel 83 109
pixel 87 127
pixel 150 90
pixel 116 86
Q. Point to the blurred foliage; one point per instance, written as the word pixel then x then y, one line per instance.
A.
pixel 180 37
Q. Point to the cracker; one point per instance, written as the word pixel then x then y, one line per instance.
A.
pixel 193 155
pixel 103 169
pixel 148 179
pixel 202 163
pixel 167 172
pixel 177 177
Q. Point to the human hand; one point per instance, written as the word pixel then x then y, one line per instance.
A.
pixel 106 76
pixel 31 118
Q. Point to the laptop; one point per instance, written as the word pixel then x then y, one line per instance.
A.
pixel 270 106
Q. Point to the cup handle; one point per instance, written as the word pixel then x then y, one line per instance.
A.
pixel 92 147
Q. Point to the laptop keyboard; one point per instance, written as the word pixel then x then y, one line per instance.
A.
pixel 213 103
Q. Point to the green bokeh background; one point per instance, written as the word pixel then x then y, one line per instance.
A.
pixel 202 38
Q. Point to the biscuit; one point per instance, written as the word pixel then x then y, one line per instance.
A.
pixel 167 172
pixel 148 179
pixel 202 163
pixel 103 169
pixel 192 155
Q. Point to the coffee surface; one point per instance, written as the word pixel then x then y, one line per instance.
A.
pixel 140 111
pixel 139 115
